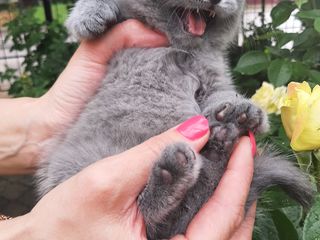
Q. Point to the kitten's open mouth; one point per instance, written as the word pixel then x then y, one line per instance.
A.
pixel 195 20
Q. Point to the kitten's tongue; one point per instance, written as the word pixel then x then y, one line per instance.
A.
pixel 196 24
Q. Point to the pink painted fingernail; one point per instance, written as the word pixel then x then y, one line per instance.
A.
pixel 253 143
pixel 194 128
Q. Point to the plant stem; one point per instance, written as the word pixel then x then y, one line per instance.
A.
pixel 314 4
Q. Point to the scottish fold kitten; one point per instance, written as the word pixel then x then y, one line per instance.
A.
pixel 148 91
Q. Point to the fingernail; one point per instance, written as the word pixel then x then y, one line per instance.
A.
pixel 194 128
pixel 253 143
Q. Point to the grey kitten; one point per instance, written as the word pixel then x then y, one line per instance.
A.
pixel 148 91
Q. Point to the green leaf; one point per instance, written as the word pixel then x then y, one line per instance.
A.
pixel 315 76
pixel 309 14
pixel 304 160
pixel 264 228
pixel 274 198
pixel 252 62
pixel 278 51
pixel 317 154
pixel 311 229
pixel 306 35
pixel 279 72
pixel 300 2
pixel 295 214
pixel 317 24
pixel 285 228
pixel 312 56
pixel 281 12
pixel 284 38
pixel 300 71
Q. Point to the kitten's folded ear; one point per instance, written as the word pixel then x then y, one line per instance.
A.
pixel 90 19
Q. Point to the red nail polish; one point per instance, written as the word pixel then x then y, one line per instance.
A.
pixel 253 143
pixel 194 128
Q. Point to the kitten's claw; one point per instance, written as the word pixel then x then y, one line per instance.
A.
pixel 242 118
pixel 223 111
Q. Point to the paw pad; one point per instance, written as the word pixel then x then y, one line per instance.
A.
pixel 166 176
pixel 177 164
pixel 181 159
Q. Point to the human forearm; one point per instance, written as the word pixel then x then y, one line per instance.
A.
pixel 21 135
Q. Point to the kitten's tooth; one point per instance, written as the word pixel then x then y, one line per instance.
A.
pixel 198 10
pixel 212 14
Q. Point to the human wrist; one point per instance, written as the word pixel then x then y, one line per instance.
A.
pixel 17 228
pixel 21 135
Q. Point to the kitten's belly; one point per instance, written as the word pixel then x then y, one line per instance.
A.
pixel 141 96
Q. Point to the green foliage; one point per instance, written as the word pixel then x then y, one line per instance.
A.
pixel 270 54
pixel 267 54
pixel 282 12
pixel 279 72
pixel 284 226
pixel 59 12
pixel 252 62
pixel 311 229
pixel 47 52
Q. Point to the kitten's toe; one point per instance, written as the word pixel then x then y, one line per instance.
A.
pixel 178 166
pixel 172 176
pixel 223 137
pixel 86 23
pixel 245 115
pixel 250 117
pixel 224 111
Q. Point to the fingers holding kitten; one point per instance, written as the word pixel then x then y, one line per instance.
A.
pixel 136 163
pixel 226 207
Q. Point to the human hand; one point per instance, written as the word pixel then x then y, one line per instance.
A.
pixel 100 202
pixel 26 123
pixel 223 217
pixel 87 68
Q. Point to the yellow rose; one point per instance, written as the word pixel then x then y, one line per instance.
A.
pixel 269 98
pixel 277 99
pixel 300 116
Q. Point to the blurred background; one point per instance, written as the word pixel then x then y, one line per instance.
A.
pixel 279 42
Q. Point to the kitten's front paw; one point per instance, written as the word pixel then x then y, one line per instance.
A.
pixel 245 115
pixel 89 20
pixel 229 121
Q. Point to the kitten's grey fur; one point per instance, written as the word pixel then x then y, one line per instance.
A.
pixel 148 91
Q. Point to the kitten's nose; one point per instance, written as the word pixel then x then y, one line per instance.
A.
pixel 215 1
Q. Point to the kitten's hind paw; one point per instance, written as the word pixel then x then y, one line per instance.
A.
pixel 178 167
pixel 172 176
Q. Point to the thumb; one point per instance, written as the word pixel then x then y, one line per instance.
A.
pixel 128 34
pixel 130 170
